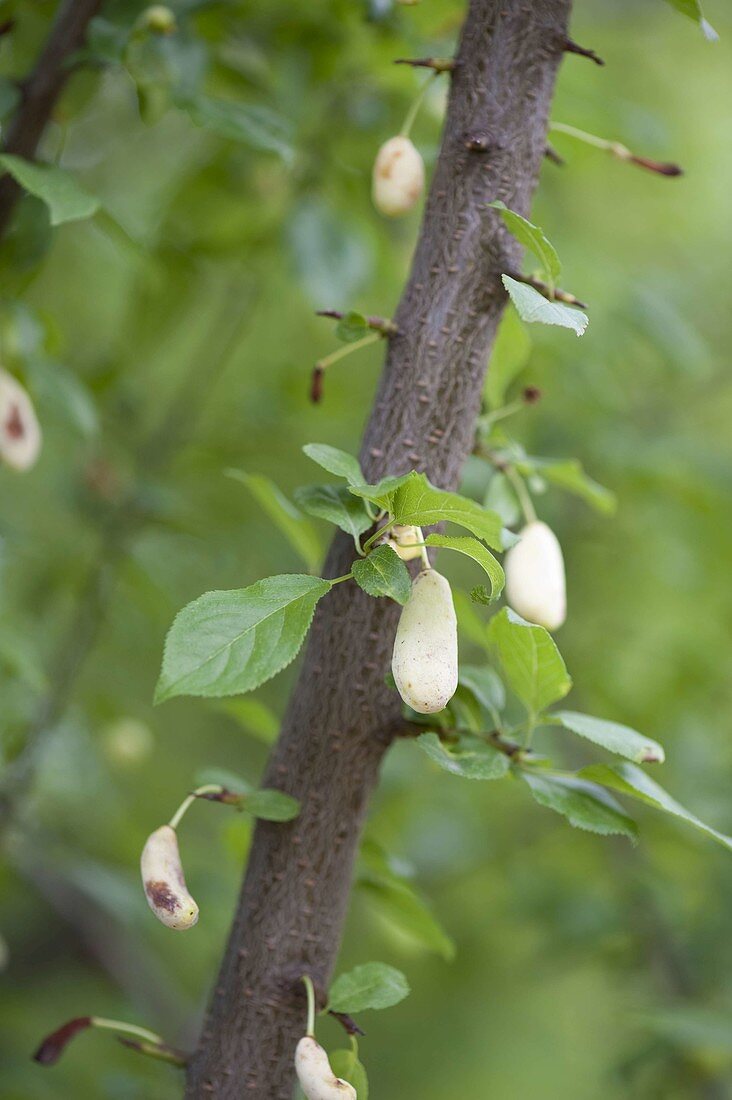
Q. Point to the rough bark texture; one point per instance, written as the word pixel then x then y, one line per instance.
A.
pixel 41 91
pixel 342 716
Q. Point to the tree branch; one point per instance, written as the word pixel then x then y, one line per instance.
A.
pixel 295 895
pixel 41 91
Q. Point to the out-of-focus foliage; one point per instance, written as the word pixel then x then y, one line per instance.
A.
pixel 171 337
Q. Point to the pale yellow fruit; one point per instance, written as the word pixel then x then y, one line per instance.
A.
pixel 398 178
pixel 316 1078
pixel 165 886
pixel 20 432
pixel 405 540
pixel 535 582
pixel 425 658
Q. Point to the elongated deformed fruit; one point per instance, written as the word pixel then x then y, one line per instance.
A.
pixel 20 432
pixel 535 584
pixel 406 541
pixel 398 178
pixel 316 1078
pixel 165 886
pixel 425 659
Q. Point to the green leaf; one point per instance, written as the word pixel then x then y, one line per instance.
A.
pixel 611 735
pixel 568 474
pixel 500 497
pixel 383 573
pixel 298 530
pixel 346 1065
pixel 533 238
pixel 252 125
pixel 398 903
pixel 351 327
pixel 409 915
pixel 510 355
pixel 531 663
pixel 335 462
pixel 485 684
pixel 471 757
pixel 271 805
pixel 477 551
pixel 337 505
pixel 252 715
pixel 411 500
pixel 585 805
pixel 229 642
pixel 66 199
pixel 382 493
pixel 693 9
pixel 373 985
pixel 480 594
pixel 534 307
pixel 633 781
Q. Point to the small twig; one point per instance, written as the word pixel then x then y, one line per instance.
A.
pixel 347 1022
pixel 551 154
pixel 618 150
pixel 316 384
pixel 382 325
pixel 511 749
pixel 557 295
pixel 571 47
pixel 661 168
pixel 439 64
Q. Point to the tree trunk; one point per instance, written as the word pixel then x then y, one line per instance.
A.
pixel 342 716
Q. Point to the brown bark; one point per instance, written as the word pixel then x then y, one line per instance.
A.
pixel 342 716
pixel 41 91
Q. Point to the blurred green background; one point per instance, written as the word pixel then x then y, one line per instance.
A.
pixel 172 337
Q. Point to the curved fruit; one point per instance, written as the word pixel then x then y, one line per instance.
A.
pixel 535 584
pixel 20 432
pixel 162 876
pixel 316 1078
pixel 398 178
pixel 425 659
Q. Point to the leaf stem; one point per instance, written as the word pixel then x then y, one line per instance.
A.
pixel 414 109
pixel 340 580
pixel 524 497
pixel 582 135
pixel 209 788
pixel 342 352
pixel 377 535
pixel 307 981
pixel 128 1029
pixel 617 149
pixel 487 421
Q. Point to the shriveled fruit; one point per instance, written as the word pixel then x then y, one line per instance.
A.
pixel 316 1078
pixel 535 582
pixel 164 882
pixel 20 432
pixel 425 658
pixel 398 178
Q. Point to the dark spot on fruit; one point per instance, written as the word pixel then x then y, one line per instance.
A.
pixel 162 896
pixel 14 426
